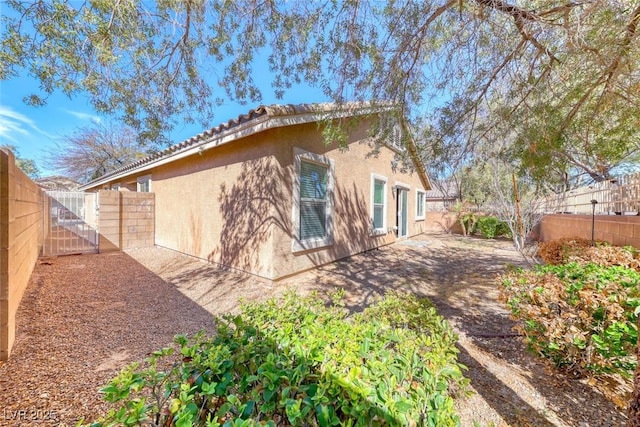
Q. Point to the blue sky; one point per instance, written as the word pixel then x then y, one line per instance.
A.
pixel 36 131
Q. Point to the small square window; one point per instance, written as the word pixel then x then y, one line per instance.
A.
pixel 144 184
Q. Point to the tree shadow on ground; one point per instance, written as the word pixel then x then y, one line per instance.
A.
pixel 459 276
pixel 82 319
pixel 215 288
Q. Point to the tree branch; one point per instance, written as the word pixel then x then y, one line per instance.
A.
pixel 520 16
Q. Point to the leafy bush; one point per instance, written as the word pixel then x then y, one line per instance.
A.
pixel 299 362
pixel 491 227
pixel 581 316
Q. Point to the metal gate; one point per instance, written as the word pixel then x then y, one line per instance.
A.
pixel 70 223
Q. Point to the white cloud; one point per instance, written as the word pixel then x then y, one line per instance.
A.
pixel 84 116
pixel 15 126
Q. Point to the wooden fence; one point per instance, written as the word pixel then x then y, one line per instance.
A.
pixel 620 196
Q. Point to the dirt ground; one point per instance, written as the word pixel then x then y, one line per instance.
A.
pixel 85 317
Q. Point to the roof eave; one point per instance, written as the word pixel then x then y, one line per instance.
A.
pixel 270 117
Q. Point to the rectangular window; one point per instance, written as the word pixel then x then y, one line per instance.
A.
pixel 312 214
pixel 420 201
pixel 378 204
pixel 313 200
pixel 144 184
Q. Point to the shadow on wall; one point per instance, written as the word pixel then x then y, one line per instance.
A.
pixel 352 223
pixel 351 231
pixel 256 215
pixel 251 208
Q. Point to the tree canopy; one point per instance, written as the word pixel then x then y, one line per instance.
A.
pixel 92 151
pixel 558 78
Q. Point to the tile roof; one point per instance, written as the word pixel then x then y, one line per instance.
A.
pixel 194 140
pixel 351 108
pixel 443 190
pixel 308 112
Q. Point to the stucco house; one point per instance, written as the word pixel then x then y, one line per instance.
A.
pixel 265 194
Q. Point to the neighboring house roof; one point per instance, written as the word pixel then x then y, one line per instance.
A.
pixel 443 190
pixel 256 120
pixel 57 183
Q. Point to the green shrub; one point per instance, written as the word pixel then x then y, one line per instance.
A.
pixel 488 226
pixel 300 362
pixel 581 316
pixel 491 227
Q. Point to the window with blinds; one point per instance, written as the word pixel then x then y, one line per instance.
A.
pixel 378 207
pixel 313 200
pixel 312 210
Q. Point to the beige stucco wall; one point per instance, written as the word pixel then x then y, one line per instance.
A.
pixel 20 242
pixel 233 204
pixel 222 205
pixel 352 198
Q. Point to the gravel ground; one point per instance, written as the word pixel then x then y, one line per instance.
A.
pixel 85 317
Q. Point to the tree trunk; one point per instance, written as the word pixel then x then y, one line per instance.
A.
pixel 519 225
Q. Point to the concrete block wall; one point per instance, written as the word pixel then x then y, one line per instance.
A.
pixel 126 220
pixel 21 237
pixel 138 219
pixel 109 221
pixel 619 230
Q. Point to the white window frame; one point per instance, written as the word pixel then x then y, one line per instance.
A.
pixel 421 195
pixel 142 179
pixel 383 230
pixel 115 187
pixel 298 245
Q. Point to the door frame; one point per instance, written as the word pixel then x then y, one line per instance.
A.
pixel 402 210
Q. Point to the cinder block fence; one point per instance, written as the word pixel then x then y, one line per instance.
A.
pixel 619 230
pixel 21 237
pixel 125 220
